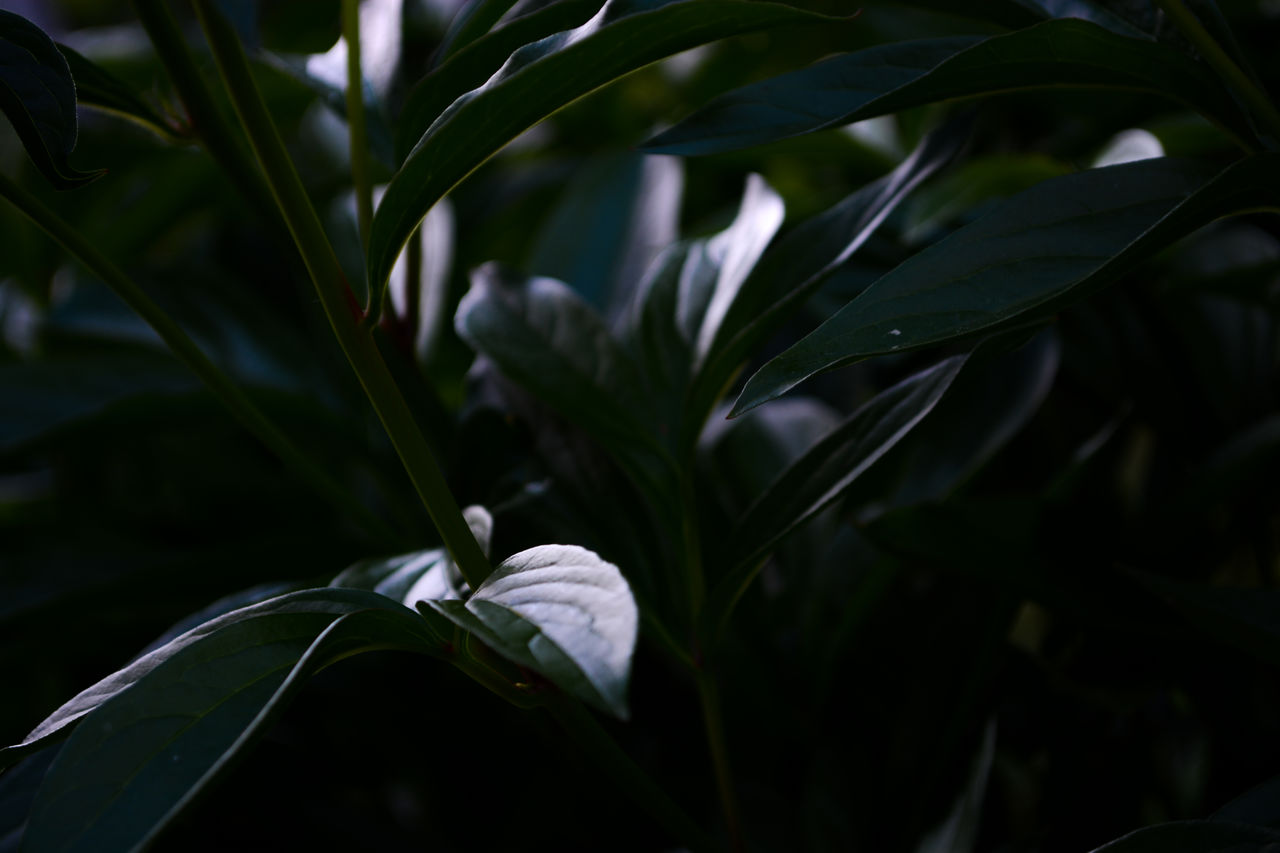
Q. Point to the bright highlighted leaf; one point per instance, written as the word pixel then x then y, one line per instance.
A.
pixel 893 77
pixel 38 96
pixel 538 80
pixel 1021 260
pixel 561 611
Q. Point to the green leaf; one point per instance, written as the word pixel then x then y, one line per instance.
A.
pixel 544 337
pixel 148 750
pixel 561 611
pixel 893 77
pixel 473 20
pixel 472 65
pixel 1247 619
pixel 1195 836
pixel 1023 260
pixel 97 88
pixel 38 96
pixel 538 80
pixel 307 611
pixel 967 190
pixel 827 470
pixel 793 267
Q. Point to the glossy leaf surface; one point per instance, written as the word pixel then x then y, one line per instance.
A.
pixel 1021 260
pixel 146 751
pixel 894 77
pixel 538 80
pixel 38 96
pixel 561 611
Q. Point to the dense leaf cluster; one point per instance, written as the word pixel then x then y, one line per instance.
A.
pixel 808 431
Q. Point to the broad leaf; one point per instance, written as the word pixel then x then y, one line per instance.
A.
pixel 828 469
pixel 1023 260
pixel 98 88
pixel 561 611
pixel 306 613
pixel 38 96
pixel 893 77
pixel 1195 836
pixel 538 80
pixel 147 751
pixel 544 337
pixel 472 65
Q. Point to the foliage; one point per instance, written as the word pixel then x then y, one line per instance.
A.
pixel 879 457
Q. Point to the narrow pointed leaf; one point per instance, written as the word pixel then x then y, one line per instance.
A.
pixel 827 470
pixel 144 754
pixel 1195 836
pixel 470 66
pixel 307 608
pixel 561 611
pixel 1023 260
pixel 538 80
pixel 796 265
pixel 98 88
pixel 894 77
pixel 38 96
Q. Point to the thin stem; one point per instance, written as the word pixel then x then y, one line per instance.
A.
pixel 209 123
pixel 597 745
pixel 355 120
pixel 337 299
pixel 1186 21
pixel 713 722
pixel 185 349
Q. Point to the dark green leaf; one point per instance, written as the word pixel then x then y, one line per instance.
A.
pixel 472 65
pixel 561 611
pixel 147 751
pixel 796 265
pixel 1023 260
pixel 1196 836
pixel 828 469
pixel 1259 806
pixel 99 89
pixel 38 96
pixel 1248 619
pixel 473 20
pixel 890 78
pixel 308 611
pixel 967 190
pixel 538 80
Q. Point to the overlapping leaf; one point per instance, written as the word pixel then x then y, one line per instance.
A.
pixel 170 723
pixel 1025 258
pixel 828 469
pixel 561 611
pixel 540 79
pixel 38 96
pixel 889 78
pixel 98 88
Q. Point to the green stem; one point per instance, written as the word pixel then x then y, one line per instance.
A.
pixel 355 120
pixel 209 123
pixel 597 745
pixel 713 722
pixel 1186 21
pixel 336 297
pixel 185 349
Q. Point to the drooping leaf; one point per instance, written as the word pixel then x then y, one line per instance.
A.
pixel 1195 836
pixel 38 96
pixel 98 88
pixel 561 611
pixel 144 753
pixel 306 613
pixel 889 78
pixel 1023 260
pixel 473 64
pixel 538 80
pixel 828 469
